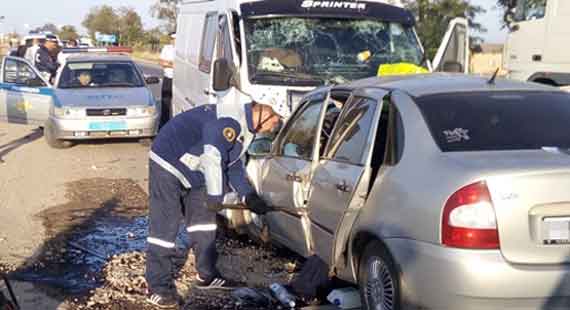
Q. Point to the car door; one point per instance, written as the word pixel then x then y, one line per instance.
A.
pixel 453 53
pixel 25 96
pixel 287 172
pixel 342 175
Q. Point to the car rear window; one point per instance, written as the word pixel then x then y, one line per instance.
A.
pixel 489 121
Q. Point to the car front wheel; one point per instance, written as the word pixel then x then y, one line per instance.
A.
pixel 378 279
pixel 49 135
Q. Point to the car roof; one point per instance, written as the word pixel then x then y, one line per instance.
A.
pixel 441 83
pixel 87 57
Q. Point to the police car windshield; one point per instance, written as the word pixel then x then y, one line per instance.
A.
pixel 325 49
pixel 99 75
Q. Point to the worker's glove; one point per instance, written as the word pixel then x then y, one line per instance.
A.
pixel 256 204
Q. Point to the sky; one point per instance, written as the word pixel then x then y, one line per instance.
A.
pixel 34 13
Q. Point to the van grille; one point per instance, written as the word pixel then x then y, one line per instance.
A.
pixel 106 112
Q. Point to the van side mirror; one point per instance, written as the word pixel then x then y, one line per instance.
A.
pixel 223 75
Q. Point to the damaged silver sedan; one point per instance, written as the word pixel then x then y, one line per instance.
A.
pixel 436 191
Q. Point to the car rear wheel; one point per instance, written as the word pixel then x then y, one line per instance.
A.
pixel 378 279
pixel 49 135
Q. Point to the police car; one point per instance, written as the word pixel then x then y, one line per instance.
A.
pixel 96 94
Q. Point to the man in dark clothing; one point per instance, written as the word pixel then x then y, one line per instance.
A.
pixel 46 63
pixel 194 160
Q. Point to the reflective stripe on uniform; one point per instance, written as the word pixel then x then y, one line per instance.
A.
pixel 202 227
pixel 160 243
pixel 168 167
pixel 212 169
pixel 191 161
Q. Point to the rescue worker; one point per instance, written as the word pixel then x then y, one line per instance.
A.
pixel 193 161
pixel 32 50
pixel 45 61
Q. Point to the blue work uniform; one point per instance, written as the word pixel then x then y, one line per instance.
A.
pixel 195 160
pixel 44 62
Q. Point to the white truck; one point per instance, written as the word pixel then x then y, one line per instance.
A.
pixel 286 48
pixel 537 44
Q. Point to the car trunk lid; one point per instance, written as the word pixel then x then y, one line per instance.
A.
pixel 530 191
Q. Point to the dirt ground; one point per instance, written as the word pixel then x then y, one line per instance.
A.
pixel 33 178
pixel 73 228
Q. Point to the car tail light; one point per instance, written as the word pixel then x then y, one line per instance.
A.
pixel 469 219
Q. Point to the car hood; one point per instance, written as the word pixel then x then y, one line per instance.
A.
pixel 104 97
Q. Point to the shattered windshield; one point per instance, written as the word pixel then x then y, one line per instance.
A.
pixel 313 51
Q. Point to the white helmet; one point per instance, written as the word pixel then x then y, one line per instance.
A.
pixel 278 104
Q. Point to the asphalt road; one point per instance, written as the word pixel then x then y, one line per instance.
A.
pixel 150 68
pixel 35 177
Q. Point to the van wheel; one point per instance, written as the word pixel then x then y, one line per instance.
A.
pixel 378 279
pixel 49 135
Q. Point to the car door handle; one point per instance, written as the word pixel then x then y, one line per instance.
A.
pixel 343 187
pixel 294 178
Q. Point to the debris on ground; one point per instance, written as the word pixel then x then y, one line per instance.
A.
pixel 94 257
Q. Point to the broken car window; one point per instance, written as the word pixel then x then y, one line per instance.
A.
pixel 307 51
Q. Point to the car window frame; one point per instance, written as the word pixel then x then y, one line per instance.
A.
pixel 305 103
pixel 224 40
pixel 19 64
pixel 353 100
pixel 136 70
pixel 206 57
pixel 521 13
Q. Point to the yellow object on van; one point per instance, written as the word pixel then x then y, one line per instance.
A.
pixel 402 68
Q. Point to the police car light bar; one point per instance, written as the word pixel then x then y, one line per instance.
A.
pixel 112 49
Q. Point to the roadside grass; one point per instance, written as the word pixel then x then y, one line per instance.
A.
pixel 145 55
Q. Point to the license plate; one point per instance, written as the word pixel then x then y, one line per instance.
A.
pixel 557 230
pixel 108 126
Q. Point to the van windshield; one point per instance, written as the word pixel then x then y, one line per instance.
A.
pixel 313 51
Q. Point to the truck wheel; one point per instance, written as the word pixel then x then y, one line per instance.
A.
pixel 378 279
pixel 49 135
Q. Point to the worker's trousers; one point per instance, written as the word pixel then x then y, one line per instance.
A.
pixel 169 201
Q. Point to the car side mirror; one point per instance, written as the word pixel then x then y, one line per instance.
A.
pixel 152 80
pixel 223 75
pixel 452 66
pixel 260 147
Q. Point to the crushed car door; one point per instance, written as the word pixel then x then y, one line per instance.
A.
pixel 342 175
pixel 286 176
pixel 25 96
pixel 453 53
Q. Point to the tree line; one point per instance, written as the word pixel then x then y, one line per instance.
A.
pixel 432 18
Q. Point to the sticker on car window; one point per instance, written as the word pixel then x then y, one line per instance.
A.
pixel 81 66
pixel 456 135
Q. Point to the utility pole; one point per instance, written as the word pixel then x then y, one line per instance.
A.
pixel 2 18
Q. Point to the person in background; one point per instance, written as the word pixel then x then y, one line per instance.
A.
pixel 167 63
pixel 61 56
pixel 32 50
pixel 46 57
pixel 72 43
pixel 20 51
